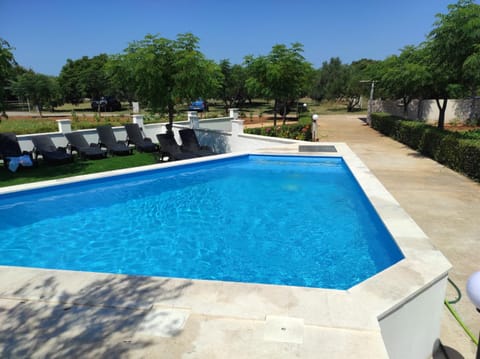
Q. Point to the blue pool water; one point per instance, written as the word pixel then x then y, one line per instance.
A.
pixel 299 221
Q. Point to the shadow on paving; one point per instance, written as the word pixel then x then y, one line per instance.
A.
pixel 99 321
pixel 446 352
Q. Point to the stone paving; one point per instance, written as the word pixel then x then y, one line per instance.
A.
pixel 445 204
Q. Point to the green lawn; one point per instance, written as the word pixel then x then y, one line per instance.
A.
pixel 79 167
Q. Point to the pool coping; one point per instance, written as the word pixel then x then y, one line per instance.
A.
pixel 358 309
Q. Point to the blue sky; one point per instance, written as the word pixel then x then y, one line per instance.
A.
pixel 45 33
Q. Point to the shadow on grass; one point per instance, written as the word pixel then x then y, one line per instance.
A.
pixel 98 321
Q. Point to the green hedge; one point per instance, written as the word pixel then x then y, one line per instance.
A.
pixel 458 150
pixel 296 131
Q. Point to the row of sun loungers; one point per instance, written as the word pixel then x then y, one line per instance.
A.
pixel 13 156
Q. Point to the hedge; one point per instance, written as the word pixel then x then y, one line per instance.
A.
pixel 459 151
pixel 296 131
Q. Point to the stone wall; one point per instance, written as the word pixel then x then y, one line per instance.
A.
pixel 458 111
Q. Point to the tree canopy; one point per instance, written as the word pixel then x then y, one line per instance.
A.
pixel 283 75
pixel 40 90
pixel 7 64
pixel 330 80
pixel 85 77
pixel 232 90
pixel 167 72
pixel 404 76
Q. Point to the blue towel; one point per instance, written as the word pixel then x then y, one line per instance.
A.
pixel 15 162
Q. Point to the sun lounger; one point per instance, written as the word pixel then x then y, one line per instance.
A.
pixel 135 137
pixel 170 147
pixel 11 153
pixel 190 143
pixel 52 154
pixel 108 140
pixel 78 143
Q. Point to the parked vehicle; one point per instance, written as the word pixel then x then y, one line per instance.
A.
pixel 198 105
pixel 106 103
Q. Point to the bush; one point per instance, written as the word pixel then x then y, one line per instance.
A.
pixel 410 133
pixel 296 131
pixel 430 143
pixel 385 123
pixel 469 155
pixel 458 151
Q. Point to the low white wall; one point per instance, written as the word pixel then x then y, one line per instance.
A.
pixel 412 330
pixel 209 134
pixel 217 124
pixel 427 110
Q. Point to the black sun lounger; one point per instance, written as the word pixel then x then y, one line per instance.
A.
pixel 170 147
pixel 79 144
pixel 107 139
pixel 135 136
pixel 190 143
pixel 51 154
pixel 11 153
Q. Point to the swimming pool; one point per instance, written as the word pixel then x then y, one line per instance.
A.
pixel 292 220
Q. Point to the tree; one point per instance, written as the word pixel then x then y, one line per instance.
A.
pixel 232 89
pixel 359 71
pixel 282 75
pixel 454 54
pixel 7 65
pixel 168 72
pixel 122 80
pixel 41 90
pixel 330 80
pixel 85 77
pixel 404 76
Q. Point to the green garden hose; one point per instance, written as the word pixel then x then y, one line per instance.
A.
pixel 455 314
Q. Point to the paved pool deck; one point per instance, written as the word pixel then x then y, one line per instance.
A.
pixel 61 314
pixel 445 204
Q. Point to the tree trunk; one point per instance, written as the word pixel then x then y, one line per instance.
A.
pixel 284 112
pixel 441 116
pixel 275 115
pixel 352 102
pixel 473 107
pixel 171 111
pixel 419 108
pixel 406 102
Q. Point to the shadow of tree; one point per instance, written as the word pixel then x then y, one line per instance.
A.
pixel 98 321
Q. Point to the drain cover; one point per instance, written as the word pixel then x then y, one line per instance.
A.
pixel 316 148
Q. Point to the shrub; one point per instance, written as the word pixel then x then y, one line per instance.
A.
pixel 469 155
pixel 296 131
pixel 385 123
pixel 458 151
pixel 430 143
pixel 409 133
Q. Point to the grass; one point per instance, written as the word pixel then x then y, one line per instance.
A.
pixel 79 167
